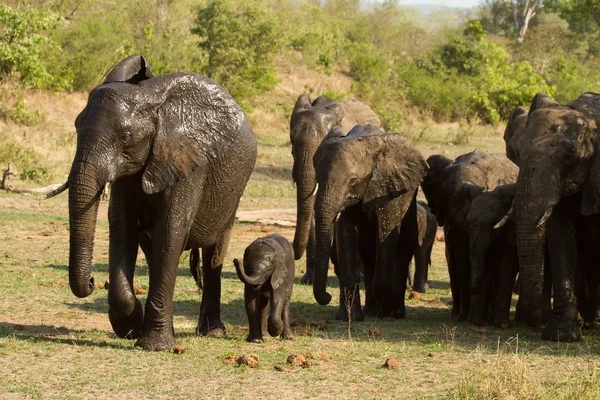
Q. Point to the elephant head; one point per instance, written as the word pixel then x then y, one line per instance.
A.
pixel 558 157
pixel 431 185
pixel 161 128
pixel 366 168
pixel 309 124
pixel 260 260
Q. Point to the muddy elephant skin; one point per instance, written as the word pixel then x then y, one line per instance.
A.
pixel 450 187
pixel 367 181
pixel 309 125
pixel 558 198
pixel 178 152
pixel 267 272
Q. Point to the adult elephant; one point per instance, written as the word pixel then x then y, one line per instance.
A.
pixel 450 187
pixel 367 181
pixel 178 152
pixel 557 203
pixel 309 125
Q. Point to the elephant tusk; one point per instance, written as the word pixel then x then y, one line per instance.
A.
pixel 505 218
pixel 337 217
pixel 544 217
pixel 55 192
pixel 314 190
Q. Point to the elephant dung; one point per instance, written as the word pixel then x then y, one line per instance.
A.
pixel 415 296
pixel 251 360
pixel 390 363
pixel 374 331
pixel 178 349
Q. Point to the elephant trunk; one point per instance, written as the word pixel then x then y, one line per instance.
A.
pixel 532 203
pixel 305 207
pixel 325 214
pixel 259 278
pixel 85 188
pixel 305 198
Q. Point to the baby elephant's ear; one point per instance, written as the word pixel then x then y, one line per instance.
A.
pixel 132 69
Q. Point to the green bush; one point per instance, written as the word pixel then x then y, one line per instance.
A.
pixel 24 160
pixel 241 42
pixel 27 48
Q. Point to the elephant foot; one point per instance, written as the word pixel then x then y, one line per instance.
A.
pixel 307 278
pixel 128 326
pixel 501 323
pixel 462 316
pixel 156 341
pixel 254 339
pixel 356 314
pixel 588 324
pixel 420 287
pixel 477 320
pixel 399 313
pixel 211 329
pixel 558 331
pixel 287 333
pixel 369 311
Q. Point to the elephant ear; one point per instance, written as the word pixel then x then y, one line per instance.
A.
pixel 541 100
pixel 132 69
pixel 514 126
pixel 460 202
pixel 196 121
pixel 421 224
pixel 302 104
pixel 399 168
pixel 590 200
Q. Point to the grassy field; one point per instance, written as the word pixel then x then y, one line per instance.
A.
pixel 54 345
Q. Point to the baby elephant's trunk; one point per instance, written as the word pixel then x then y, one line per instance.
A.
pixel 253 280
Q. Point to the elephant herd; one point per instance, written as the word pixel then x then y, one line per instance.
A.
pixel 179 152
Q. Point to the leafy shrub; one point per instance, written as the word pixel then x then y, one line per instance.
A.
pixel 471 78
pixel 26 48
pixel 24 159
pixel 241 42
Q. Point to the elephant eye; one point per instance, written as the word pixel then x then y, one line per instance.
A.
pixel 354 181
pixel 126 136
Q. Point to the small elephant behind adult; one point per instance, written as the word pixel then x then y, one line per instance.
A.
pixel 427 228
pixel 450 187
pixel 267 272
pixel 493 250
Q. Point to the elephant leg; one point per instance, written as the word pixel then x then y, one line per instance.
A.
pixel 254 311
pixel 275 325
pixel 452 270
pixel 463 265
pixel 125 311
pixel 287 330
pixel 195 266
pixel 307 278
pixel 368 255
pixel 409 278
pixel 562 249
pixel 508 274
pixel 348 267
pixel 264 312
pixel 421 266
pixel 591 278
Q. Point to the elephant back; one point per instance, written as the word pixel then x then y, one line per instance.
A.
pixel 358 113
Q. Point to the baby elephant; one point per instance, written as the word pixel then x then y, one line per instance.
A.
pixel 268 273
